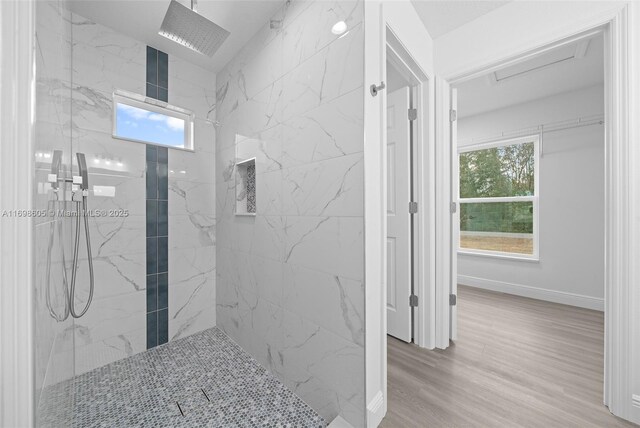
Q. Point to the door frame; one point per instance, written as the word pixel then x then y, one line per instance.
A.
pixel 622 200
pixel 17 104
pixel 424 314
pixel 411 40
pixel 406 172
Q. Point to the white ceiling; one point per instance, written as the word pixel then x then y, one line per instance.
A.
pixel 441 17
pixel 485 94
pixel 141 20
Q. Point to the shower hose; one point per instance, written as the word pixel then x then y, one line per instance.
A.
pixel 70 292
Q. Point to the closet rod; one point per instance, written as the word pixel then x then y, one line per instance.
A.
pixel 540 129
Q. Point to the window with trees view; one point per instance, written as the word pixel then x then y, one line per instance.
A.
pixel 499 198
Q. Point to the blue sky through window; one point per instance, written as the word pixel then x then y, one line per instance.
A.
pixel 143 125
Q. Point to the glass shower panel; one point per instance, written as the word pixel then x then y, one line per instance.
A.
pixel 54 359
pixel 105 62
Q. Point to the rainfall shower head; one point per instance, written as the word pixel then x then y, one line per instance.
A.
pixel 188 28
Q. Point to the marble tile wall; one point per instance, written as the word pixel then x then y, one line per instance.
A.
pixel 101 61
pixel 290 281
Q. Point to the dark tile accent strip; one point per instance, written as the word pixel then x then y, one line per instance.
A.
pixel 152 329
pixel 157 224
pixel 163 70
pixel 163 155
pixel 163 291
pixel 163 94
pixel 152 91
pixel 163 218
pixel 152 153
pixel 152 180
pixel 163 254
pixel 157 74
pixel 157 194
pixel 152 292
pixel 152 218
pixel 152 65
pixel 163 182
pixel 152 256
pixel 163 326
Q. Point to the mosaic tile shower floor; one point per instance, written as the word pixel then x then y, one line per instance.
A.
pixel 215 383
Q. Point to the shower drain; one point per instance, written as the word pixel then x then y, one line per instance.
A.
pixel 180 408
pixel 205 394
pixel 192 402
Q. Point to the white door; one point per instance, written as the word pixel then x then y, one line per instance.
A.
pixel 455 218
pixel 398 217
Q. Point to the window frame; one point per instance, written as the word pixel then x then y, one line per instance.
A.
pixel 155 106
pixel 535 199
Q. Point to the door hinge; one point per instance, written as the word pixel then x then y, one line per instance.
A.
pixel 413 301
pixel 454 207
pixel 453 299
pixel 413 114
pixel 453 115
pixel 413 207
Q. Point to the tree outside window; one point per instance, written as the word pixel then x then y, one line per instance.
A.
pixel 498 198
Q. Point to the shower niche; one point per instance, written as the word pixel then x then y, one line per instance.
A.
pixel 246 187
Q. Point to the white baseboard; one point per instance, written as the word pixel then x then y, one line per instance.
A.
pixel 562 297
pixel 375 410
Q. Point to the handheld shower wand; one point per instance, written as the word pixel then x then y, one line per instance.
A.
pixel 82 181
pixel 55 224
pixel 84 190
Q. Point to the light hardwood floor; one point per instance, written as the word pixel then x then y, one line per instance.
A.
pixel 517 362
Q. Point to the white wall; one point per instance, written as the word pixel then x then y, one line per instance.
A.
pixel 503 32
pixel 571 218
pixel 523 26
pixel 401 18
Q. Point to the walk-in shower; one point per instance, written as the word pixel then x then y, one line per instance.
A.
pixel 189 307
pixel 57 209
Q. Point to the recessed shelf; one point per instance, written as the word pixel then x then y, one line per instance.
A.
pixel 246 187
pixel 246 161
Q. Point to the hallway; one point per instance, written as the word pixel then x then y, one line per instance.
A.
pixel 518 362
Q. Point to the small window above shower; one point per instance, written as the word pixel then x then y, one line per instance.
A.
pixel 145 120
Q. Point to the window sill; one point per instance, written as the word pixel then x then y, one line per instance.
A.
pixel 132 140
pixel 504 256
